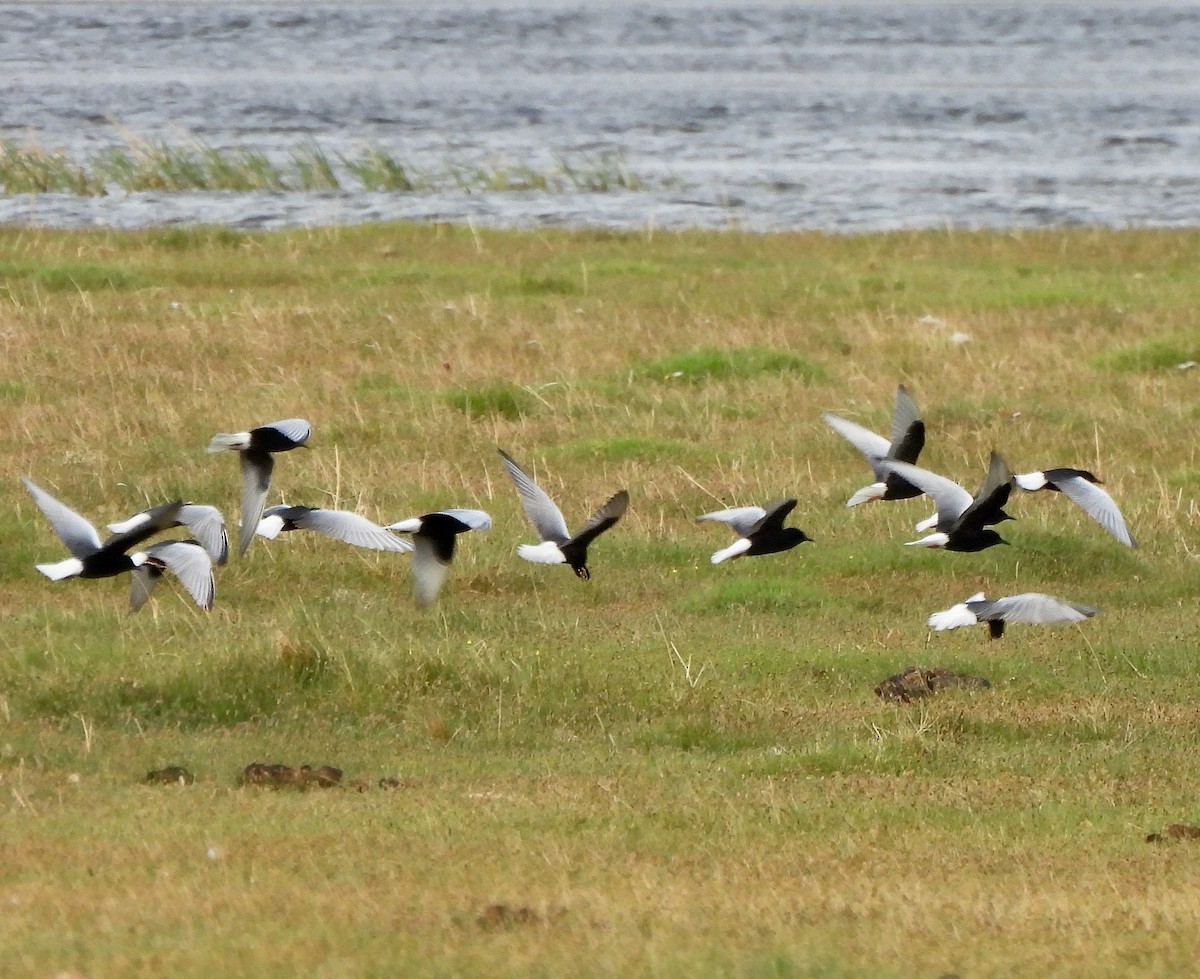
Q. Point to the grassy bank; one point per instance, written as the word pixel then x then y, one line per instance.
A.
pixel 672 769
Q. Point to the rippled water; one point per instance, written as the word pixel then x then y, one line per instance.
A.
pixel 763 116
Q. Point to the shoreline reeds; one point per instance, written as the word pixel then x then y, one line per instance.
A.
pixel 140 165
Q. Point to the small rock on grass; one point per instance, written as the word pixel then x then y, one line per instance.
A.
pixel 916 682
pixel 171 775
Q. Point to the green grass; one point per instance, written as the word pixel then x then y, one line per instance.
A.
pixel 1156 354
pixel 673 769
pixel 709 364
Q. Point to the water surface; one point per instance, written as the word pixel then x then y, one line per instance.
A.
pixel 763 116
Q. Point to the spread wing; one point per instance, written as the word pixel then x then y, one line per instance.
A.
pixel 1098 505
pixel 743 519
pixel 350 527
pixel 73 530
pixel 908 431
pixel 189 562
pixel 428 570
pixel 296 429
pixel 602 519
pixel 874 447
pixel 776 513
pixel 907 428
pixel 473 519
pixel 208 526
pixel 987 506
pixel 546 517
pixel 256 481
pixel 1032 608
pixel 950 498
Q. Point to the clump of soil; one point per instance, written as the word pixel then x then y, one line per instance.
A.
pixel 916 682
pixel 275 776
pixel 1176 831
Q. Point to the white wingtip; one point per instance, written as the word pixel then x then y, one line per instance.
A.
pixel 131 524
pixel 927 524
pixel 952 618
pixel 270 527
pixel 739 546
pixel 868 493
pixel 546 552
pixel 69 568
pixel 229 440
pixel 410 526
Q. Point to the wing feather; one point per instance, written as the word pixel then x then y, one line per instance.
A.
pixel 187 560
pixel 428 571
pixel 776 513
pixel 1098 505
pixel 602 519
pixel 297 430
pixel 543 513
pixel 908 431
pixel 474 519
pixel 76 532
pixel 950 498
pixel 352 529
pixel 741 519
pixel 1032 608
pixel 256 481
pixel 988 504
pixel 208 527
pixel 874 447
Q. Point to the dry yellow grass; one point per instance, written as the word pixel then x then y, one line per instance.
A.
pixel 673 769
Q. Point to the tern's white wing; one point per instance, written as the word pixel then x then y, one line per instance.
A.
pixel 428 571
pixel 1031 607
pixel 950 498
pixel 296 429
pixel 256 481
pixel 874 447
pixel 207 524
pixel 350 527
pixel 742 518
pixel 191 565
pixel 905 414
pixel 73 530
pixel 475 519
pixel 543 513
pixel 1098 505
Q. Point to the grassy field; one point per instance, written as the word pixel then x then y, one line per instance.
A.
pixel 670 770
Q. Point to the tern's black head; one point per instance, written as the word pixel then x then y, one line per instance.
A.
pixel 793 537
